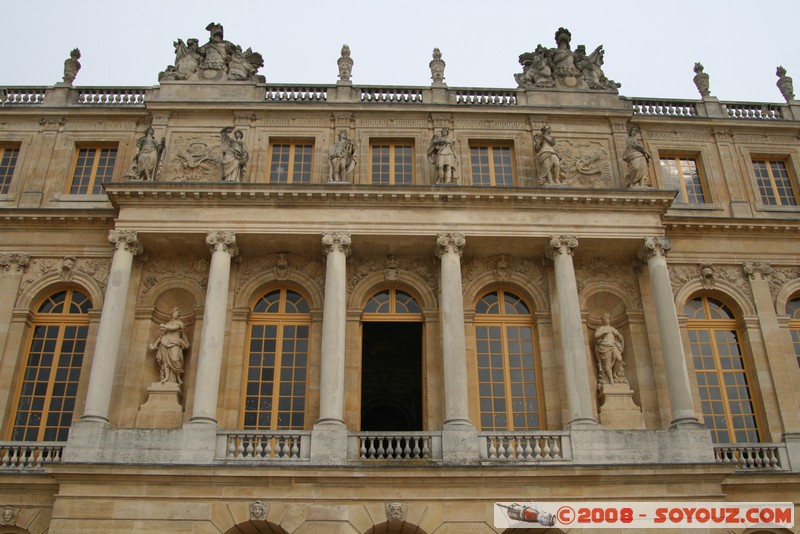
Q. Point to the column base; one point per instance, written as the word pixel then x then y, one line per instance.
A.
pixel 460 444
pixel 329 444
pixel 583 422
pixel 162 409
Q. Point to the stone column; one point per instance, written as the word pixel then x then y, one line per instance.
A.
pixel 576 368
pixel 334 320
pixel 454 348
pixel 654 252
pixel 212 337
pixel 104 363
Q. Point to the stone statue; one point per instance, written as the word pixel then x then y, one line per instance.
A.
pixel 442 155
pixel 637 159
pixel 218 59
pixel 72 66
pixel 234 155
pixel 169 347
pixel 609 345
pixel 548 162
pixel 701 80
pixel 437 65
pixel 785 84
pixel 561 68
pixel 345 63
pixel 342 159
pixel 147 161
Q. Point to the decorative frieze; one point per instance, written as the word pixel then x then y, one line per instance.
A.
pixel 599 270
pixel 674 135
pixel 159 269
pixel 393 269
pixel 503 267
pixel 14 262
pixel 281 265
pixel 709 276
pixel 781 276
pixel 66 268
pixel 585 163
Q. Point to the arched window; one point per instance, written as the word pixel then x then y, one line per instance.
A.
pixel 509 385
pixel 49 383
pixel 721 371
pixel 277 362
pixel 793 310
pixel 393 301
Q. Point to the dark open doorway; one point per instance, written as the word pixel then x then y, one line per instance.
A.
pixel 391 376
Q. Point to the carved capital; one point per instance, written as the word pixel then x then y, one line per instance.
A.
pixel 654 246
pixel 222 240
pixel 336 241
pixel 757 271
pixel 17 262
pixel 125 240
pixel 562 244
pixel 446 243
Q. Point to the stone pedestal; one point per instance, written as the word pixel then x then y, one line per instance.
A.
pixel 619 411
pixel 163 407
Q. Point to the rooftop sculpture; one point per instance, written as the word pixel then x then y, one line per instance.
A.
pixel 561 68
pixel 217 60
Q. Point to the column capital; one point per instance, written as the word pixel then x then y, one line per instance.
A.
pixel 561 244
pixel 654 246
pixel 333 241
pixel 757 271
pixel 222 240
pixel 450 243
pixel 19 260
pixel 125 240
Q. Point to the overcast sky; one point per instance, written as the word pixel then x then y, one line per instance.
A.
pixel 650 47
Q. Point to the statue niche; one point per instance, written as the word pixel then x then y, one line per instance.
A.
pixel 217 60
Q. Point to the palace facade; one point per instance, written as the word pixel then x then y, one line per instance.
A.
pixel 229 306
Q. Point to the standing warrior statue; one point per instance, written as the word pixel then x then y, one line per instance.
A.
pixel 147 162
pixel 443 157
pixel 342 159
pixel 636 157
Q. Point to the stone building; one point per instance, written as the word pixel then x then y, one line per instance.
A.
pixel 229 306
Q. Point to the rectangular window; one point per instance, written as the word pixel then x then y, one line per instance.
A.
pixel 8 160
pixel 290 163
pixel 682 174
pixel 93 166
pixel 774 183
pixel 392 163
pixel 492 165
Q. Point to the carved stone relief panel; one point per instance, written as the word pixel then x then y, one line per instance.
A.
pixel 193 158
pixel 586 163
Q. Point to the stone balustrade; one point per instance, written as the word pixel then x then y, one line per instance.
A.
pixel 264 445
pixel 524 446
pixel 756 456
pixel 61 95
pixel 395 446
pixel 29 456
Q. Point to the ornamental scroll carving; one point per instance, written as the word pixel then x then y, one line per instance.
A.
pixel 281 266
pixel 503 267
pixel 393 269
pixel 66 268
pixel 14 262
pixel 159 269
pixel 599 270
pixel 194 158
